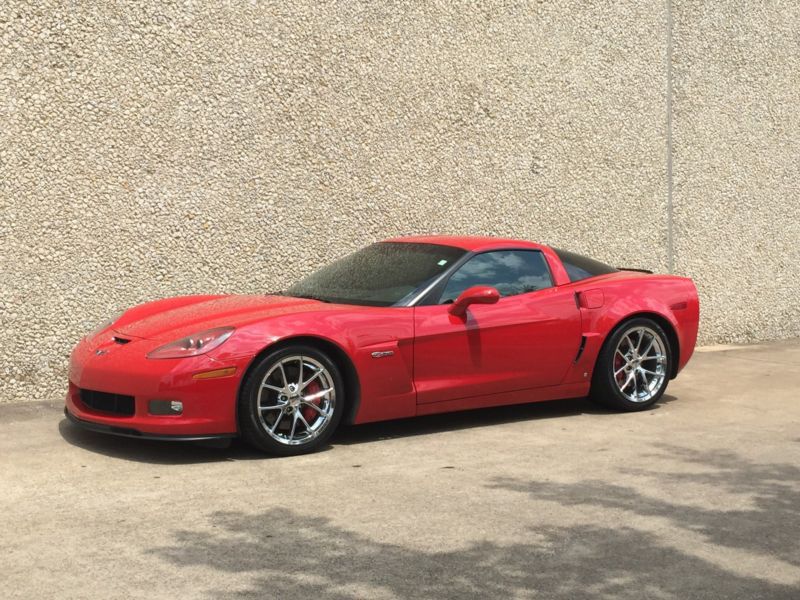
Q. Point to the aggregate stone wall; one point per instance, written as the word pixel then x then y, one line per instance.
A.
pixel 736 155
pixel 155 149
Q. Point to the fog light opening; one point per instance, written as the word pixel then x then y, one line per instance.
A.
pixel 166 407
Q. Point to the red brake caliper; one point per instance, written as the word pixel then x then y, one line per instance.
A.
pixel 309 414
pixel 618 363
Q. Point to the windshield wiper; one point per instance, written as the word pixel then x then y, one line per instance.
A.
pixel 310 297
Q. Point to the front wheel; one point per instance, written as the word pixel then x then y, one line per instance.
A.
pixel 292 401
pixel 632 370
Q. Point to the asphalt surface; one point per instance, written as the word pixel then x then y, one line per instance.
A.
pixel 698 498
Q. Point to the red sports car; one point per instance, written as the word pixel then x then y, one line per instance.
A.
pixel 408 326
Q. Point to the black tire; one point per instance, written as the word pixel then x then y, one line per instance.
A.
pixel 605 386
pixel 254 430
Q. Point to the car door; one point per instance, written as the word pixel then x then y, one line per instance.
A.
pixel 527 339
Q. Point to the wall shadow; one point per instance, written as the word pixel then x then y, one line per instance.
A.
pixel 768 525
pixel 282 554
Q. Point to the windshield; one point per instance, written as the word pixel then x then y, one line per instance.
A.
pixel 383 274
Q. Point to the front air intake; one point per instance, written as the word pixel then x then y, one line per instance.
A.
pixel 117 404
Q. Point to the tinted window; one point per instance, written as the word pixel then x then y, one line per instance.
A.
pixel 511 272
pixel 379 275
pixel 580 267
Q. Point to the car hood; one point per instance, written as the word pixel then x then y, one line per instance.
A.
pixel 174 318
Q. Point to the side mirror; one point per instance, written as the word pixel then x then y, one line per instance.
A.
pixel 479 294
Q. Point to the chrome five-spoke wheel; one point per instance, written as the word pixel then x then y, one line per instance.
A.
pixel 639 364
pixel 291 401
pixel 296 400
pixel 634 366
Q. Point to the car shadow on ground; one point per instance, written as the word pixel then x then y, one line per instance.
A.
pixel 155 452
pixel 483 417
pixel 178 453
pixel 705 551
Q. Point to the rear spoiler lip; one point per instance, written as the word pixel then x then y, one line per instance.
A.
pixel 649 272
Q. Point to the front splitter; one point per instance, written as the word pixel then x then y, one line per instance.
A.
pixel 135 433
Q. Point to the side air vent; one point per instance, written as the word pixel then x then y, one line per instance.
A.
pixel 121 340
pixel 581 348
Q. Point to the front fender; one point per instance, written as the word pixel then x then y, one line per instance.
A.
pixel 378 342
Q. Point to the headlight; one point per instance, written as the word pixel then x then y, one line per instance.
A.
pixel 105 325
pixel 193 345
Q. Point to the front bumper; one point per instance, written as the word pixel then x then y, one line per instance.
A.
pixel 103 365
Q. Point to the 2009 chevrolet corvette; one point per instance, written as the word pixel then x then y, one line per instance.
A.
pixel 405 327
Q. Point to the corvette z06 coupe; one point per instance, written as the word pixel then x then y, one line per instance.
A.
pixel 408 326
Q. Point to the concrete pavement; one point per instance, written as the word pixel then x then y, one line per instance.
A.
pixel 698 498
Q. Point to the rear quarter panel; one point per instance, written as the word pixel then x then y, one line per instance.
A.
pixel 625 295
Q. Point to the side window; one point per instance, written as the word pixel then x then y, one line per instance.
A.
pixel 581 267
pixel 511 272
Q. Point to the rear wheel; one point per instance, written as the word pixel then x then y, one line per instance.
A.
pixel 292 401
pixel 632 370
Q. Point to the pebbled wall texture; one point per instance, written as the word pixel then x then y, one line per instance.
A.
pixel 160 148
